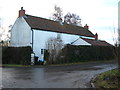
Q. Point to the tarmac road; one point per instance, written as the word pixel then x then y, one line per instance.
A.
pixel 70 76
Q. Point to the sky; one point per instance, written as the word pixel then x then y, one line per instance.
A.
pixel 100 15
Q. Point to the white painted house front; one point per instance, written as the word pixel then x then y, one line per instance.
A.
pixel 35 31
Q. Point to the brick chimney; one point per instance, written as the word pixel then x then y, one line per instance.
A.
pixel 96 36
pixel 86 26
pixel 21 12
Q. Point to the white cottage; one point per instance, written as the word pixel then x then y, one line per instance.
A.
pixel 35 31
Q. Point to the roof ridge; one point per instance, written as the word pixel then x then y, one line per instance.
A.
pixel 39 17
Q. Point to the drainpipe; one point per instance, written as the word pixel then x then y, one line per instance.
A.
pixel 32 38
pixel 32 54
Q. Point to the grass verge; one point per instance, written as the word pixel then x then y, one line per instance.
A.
pixel 14 65
pixel 109 79
pixel 82 62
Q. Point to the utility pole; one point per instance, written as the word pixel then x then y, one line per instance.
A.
pixel 118 48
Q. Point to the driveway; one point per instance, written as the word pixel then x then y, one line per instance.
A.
pixel 69 76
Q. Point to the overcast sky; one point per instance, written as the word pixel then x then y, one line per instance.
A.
pixel 100 15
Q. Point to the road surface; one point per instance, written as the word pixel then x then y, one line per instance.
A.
pixel 69 76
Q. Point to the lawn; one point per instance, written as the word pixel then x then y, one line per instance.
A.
pixel 109 79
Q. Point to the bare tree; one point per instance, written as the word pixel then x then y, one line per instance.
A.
pixel 1 30
pixel 116 37
pixel 5 35
pixel 54 46
pixel 9 33
pixel 71 18
pixel 57 15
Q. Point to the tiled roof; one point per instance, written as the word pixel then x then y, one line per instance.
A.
pixel 97 42
pixel 50 25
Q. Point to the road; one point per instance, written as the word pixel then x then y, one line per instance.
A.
pixel 69 76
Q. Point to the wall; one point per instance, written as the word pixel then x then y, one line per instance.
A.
pixel 20 33
pixel 80 42
pixel 41 37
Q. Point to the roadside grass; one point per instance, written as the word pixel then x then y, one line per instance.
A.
pixel 85 62
pixel 14 65
pixel 109 79
pixel 63 64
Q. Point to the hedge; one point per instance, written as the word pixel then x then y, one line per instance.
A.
pixel 16 55
pixel 72 53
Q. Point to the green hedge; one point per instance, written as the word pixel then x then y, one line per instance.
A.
pixel 72 53
pixel 81 53
pixel 16 55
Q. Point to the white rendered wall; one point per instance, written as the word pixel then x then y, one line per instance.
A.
pixel 41 37
pixel 20 33
pixel 81 42
pixel 39 40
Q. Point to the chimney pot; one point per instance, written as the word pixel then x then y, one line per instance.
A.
pixel 96 36
pixel 21 12
pixel 21 8
pixel 86 26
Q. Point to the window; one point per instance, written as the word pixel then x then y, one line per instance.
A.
pixel 42 51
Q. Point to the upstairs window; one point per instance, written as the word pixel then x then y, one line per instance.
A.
pixel 42 51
